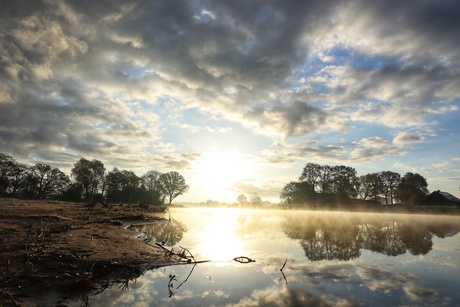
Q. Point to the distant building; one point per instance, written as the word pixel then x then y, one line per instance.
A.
pixel 438 198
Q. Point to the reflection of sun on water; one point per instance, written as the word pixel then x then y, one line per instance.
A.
pixel 219 240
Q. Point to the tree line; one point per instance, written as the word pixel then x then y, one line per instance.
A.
pixel 89 181
pixel 324 183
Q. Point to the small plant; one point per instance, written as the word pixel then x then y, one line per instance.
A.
pixel 38 236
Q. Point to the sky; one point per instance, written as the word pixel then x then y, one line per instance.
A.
pixel 237 96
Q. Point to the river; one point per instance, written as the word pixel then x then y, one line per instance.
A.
pixel 301 258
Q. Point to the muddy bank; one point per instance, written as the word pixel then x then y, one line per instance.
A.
pixel 58 252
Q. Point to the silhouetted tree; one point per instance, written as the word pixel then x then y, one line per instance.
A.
pixel 343 181
pixel 325 179
pixel 172 185
pixel 91 176
pixel 390 181
pixel 43 181
pixel 72 193
pixel 412 189
pixel 297 193
pixel 311 174
pixel 370 186
pixel 151 181
pixel 7 164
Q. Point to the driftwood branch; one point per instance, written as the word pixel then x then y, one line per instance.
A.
pixel 281 270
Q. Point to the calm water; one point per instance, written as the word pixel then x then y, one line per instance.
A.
pixel 331 259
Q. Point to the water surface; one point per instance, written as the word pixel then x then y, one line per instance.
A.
pixel 327 259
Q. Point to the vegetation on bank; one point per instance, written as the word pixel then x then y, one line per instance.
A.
pixel 89 181
pixel 324 185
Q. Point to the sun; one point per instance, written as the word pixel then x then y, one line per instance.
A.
pixel 219 171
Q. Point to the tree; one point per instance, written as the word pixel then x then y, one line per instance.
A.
pixel 125 186
pixel 12 175
pixel 17 177
pixel 43 181
pixel 370 186
pixel 390 181
pixel 242 200
pixel 297 192
pixel 344 181
pixel 412 189
pixel 172 185
pixel 151 181
pixel 255 199
pixel 325 179
pixel 7 163
pixel 311 174
pixel 91 176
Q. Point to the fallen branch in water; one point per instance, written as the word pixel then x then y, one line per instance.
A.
pixel 243 259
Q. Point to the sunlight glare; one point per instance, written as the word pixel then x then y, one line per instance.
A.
pixel 219 171
pixel 219 240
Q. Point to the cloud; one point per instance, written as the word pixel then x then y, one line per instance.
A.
pixel 291 297
pixel 177 162
pixel 112 80
pixel 403 138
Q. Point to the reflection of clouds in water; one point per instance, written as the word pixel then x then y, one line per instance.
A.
pixel 139 294
pixel 377 279
pixel 181 295
pixel 417 294
pixel 320 276
pixel 328 272
pixel 290 297
pixel 215 293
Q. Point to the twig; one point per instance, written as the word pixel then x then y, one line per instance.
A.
pixel 191 255
pixel 283 265
pixel 189 274
pixel 281 270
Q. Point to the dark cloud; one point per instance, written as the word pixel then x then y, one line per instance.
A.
pixel 72 73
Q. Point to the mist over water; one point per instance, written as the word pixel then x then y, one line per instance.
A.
pixel 327 259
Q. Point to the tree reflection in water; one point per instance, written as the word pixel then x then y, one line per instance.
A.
pixel 342 238
pixel 168 233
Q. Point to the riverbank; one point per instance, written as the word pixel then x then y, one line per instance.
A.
pixel 68 250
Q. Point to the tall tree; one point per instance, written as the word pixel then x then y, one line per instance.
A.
pixel 91 176
pixel 151 181
pixel 370 186
pixel 412 189
pixel 172 185
pixel 390 181
pixel 344 181
pixel 311 174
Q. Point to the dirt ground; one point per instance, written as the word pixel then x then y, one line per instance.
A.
pixel 70 249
